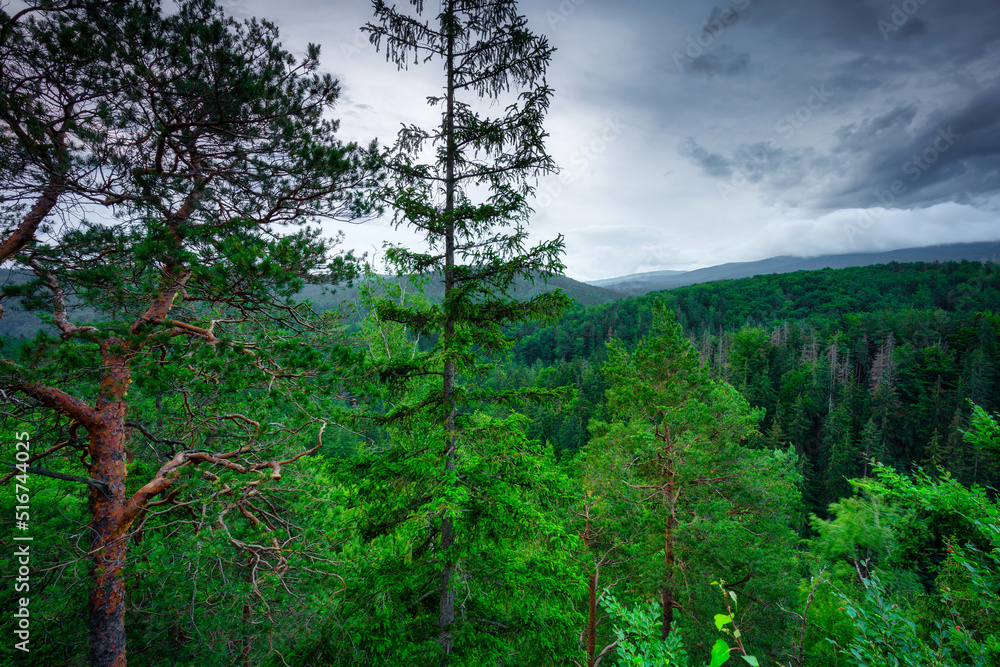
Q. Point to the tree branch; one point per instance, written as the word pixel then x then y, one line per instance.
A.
pixel 59 303
pixel 38 470
pixel 59 401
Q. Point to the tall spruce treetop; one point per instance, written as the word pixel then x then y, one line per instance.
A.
pixel 478 250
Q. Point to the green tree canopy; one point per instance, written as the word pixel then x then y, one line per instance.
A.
pixel 215 151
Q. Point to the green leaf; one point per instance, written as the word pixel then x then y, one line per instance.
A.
pixel 750 659
pixel 721 620
pixel 720 652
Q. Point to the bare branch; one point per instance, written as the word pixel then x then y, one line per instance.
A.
pixel 37 470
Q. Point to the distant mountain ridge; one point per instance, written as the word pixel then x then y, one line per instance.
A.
pixel 19 323
pixel 643 283
pixel 652 275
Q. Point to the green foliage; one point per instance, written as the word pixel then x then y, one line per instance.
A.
pixel 887 382
pixel 917 529
pixel 984 432
pixel 885 634
pixel 637 631
pixel 212 153
pixel 771 301
pixel 705 504
pixel 859 533
pixel 58 601
pixel 706 429
pixel 721 650
pixel 516 574
pixel 479 250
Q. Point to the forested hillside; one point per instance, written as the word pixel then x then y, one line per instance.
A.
pixel 850 365
pixel 643 283
pixel 451 466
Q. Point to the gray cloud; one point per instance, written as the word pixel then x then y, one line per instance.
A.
pixel 720 19
pixel 870 72
pixel 913 28
pixel 953 155
pixel 725 63
pixel 712 163
pixel 875 131
pixel 722 95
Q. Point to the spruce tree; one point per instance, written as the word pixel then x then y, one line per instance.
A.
pixel 478 249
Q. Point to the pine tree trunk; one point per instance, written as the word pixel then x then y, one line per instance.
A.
pixel 447 608
pixel 667 592
pixel 670 539
pixel 25 231
pixel 592 618
pixel 107 524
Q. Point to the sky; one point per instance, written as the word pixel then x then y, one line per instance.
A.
pixel 692 133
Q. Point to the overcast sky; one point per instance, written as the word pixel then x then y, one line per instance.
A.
pixel 697 133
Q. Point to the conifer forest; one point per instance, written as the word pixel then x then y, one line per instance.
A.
pixel 228 440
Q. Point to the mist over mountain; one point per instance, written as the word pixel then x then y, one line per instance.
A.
pixel 643 283
pixel 19 323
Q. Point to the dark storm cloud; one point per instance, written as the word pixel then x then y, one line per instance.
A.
pixel 712 163
pixel 867 73
pixel 798 112
pixel 876 132
pixel 954 155
pixel 719 19
pixel 912 28
pixel 725 63
pixel 901 73
pixel 933 31
pixel 793 112
pixel 866 24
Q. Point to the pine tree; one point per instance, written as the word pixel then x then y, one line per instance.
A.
pixel 477 250
pixel 214 144
pixel 59 69
pixel 711 507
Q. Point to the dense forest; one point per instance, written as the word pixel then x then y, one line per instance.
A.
pixel 211 461
pixel 879 362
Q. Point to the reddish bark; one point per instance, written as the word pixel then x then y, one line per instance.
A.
pixel 108 524
pixel 25 231
pixel 667 592
pixel 592 619
pixel 670 493
pixel 108 541
pixel 112 513
pixel 590 536
pixel 47 199
pixel 162 303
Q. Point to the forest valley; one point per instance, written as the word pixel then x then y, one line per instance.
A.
pixel 460 467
